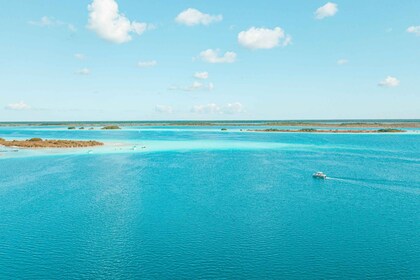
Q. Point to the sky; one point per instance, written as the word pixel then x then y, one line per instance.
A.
pixel 209 60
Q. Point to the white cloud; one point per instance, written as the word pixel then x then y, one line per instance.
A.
pixel 83 71
pixel 149 63
pixel 342 61
pixel 212 56
pixel 414 29
pixel 19 106
pixel 45 21
pixel 389 82
pixel 201 75
pixel 192 17
pixel 195 86
pixel 164 109
pixel 79 56
pixel 212 108
pixel 106 20
pixel 328 10
pixel 233 108
pixel 72 28
pixel 263 38
pixel 49 21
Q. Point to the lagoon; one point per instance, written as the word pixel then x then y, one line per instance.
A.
pixel 204 203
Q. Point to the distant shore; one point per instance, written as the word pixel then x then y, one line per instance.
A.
pixel 329 124
pixel 311 130
pixel 40 143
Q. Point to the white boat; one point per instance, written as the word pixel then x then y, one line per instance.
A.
pixel 319 175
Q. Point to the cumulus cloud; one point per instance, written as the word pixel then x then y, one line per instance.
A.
pixel 192 17
pixel 106 20
pixel 414 29
pixel 342 61
pixel 149 63
pixel 212 108
pixel 164 109
pixel 79 56
pixel 389 82
pixel 83 71
pixel 19 106
pixel 212 56
pixel 49 21
pixel 328 10
pixel 201 75
pixel 195 86
pixel 263 38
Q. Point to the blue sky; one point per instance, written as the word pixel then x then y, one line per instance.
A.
pixel 200 59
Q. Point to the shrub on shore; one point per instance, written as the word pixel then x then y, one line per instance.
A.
pixel 389 130
pixel 71 127
pixel 270 130
pixel 111 127
pixel 307 130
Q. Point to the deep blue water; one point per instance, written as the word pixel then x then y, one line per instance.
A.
pixel 212 204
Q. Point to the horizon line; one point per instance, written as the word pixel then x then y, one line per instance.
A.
pixel 211 120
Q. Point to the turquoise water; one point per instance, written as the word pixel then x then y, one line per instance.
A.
pixel 201 203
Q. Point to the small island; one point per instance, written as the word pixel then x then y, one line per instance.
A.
pixel 111 127
pixel 40 143
pixel 313 130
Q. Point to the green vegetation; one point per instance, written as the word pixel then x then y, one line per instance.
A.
pixel 39 143
pixel 71 127
pixel 111 127
pixel 223 129
pixel 82 127
pixel 307 130
pixel 359 123
pixel 389 130
pixel 269 130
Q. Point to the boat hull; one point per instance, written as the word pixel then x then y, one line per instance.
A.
pixel 319 176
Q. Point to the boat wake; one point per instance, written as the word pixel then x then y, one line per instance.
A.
pixel 388 185
pixel 336 179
